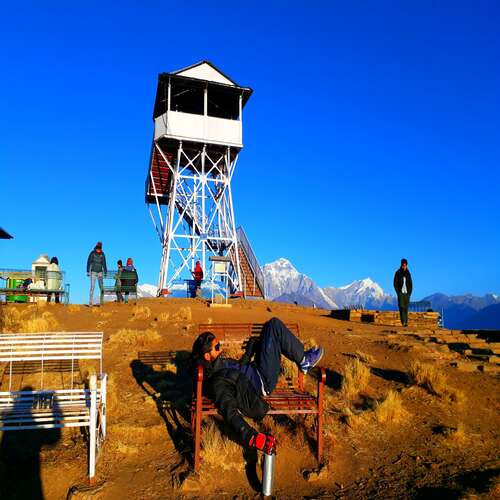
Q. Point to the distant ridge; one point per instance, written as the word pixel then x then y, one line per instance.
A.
pixel 284 283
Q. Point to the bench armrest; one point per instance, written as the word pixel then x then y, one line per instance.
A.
pixel 321 387
pixel 199 373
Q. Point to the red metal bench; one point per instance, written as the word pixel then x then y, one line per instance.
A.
pixel 288 398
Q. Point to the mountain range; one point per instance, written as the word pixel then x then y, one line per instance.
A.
pixel 283 283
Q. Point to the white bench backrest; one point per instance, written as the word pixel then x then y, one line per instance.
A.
pixel 50 346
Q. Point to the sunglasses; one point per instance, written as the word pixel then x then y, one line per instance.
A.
pixel 217 346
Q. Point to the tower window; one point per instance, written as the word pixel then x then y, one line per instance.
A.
pixel 187 99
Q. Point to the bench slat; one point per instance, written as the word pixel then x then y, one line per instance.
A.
pixel 39 358
pixel 44 426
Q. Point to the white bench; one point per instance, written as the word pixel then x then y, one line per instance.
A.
pixel 54 408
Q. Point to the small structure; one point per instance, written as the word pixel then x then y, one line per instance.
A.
pixel 220 272
pixel 198 135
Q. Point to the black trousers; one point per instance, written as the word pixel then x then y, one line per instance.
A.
pixel 403 304
pixel 276 339
pixel 49 297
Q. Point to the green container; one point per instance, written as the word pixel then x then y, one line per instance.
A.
pixel 14 283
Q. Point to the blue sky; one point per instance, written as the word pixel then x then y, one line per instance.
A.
pixel 373 133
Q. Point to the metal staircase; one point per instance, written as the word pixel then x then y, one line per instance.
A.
pixel 251 273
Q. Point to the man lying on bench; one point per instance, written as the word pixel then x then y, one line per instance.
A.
pixel 237 387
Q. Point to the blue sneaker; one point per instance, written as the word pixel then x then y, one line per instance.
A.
pixel 311 358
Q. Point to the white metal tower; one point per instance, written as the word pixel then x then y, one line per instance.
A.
pixel 197 139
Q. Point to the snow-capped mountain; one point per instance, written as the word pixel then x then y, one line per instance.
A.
pixel 283 281
pixel 146 291
pixel 363 292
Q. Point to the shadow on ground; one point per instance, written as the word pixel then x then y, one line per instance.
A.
pixel 390 375
pixel 170 387
pixel 20 459
pixel 466 485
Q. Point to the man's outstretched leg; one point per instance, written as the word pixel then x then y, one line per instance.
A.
pixel 276 339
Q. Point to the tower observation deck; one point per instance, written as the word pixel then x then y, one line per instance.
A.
pixel 198 135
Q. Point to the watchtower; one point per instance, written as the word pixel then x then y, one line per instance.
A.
pixel 197 139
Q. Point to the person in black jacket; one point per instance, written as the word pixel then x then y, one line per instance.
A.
pixel 403 286
pixel 237 387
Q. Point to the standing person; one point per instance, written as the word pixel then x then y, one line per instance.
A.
pixel 198 277
pixel 129 278
pixel 237 387
pixel 53 279
pixel 404 286
pixel 118 282
pixel 96 269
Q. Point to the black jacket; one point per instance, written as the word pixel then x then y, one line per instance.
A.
pixel 97 262
pixel 398 281
pixel 234 394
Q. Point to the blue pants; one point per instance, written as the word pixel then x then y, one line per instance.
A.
pixel 93 277
pixel 276 339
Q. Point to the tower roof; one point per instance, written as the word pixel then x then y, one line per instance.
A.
pixel 205 70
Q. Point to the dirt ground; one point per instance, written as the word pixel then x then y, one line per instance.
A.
pixel 386 436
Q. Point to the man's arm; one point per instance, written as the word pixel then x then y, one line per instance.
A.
pixel 395 283
pixel 89 260
pixel 224 396
pixel 409 284
pixel 249 351
pixel 104 266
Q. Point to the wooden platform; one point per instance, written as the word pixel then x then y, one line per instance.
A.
pixel 387 318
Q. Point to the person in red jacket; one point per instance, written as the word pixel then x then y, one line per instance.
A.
pixel 198 277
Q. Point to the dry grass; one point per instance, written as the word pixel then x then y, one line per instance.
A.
pixel 131 439
pixel 290 369
pixel 290 433
pixel 163 317
pixel 72 308
pixel 183 314
pixel 126 336
pixel 458 435
pixel 219 451
pixel 356 378
pixel 428 377
pixel 390 409
pixel 10 318
pixel 233 350
pixel 364 357
pixel 434 381
pixel 310 343
pixel 44 323
pixel 140 313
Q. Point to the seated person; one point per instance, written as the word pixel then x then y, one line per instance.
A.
pixel 118 281
pixel 237 387
pixel 128 278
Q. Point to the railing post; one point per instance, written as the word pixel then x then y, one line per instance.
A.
pixel 321 386
pixel 197 422
pixel 104 384
pixel 92 427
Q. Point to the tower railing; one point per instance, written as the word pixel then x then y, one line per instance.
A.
pixel 252 260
